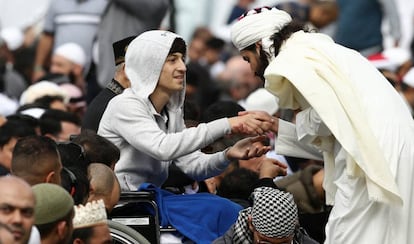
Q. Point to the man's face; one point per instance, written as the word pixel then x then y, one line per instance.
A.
pixel 257 60
pixel 260 238
pixel 6 153
pixel 61 65
pixel 172 74
pixel 17 204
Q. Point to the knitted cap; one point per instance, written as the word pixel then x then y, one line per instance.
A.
pixel 52 203
pixel 91 214
pixel 274 212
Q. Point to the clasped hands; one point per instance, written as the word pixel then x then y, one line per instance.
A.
pixel 251 123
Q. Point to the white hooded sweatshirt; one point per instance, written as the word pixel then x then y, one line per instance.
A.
pixel 149 141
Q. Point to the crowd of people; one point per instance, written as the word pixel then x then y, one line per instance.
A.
pixel 285 132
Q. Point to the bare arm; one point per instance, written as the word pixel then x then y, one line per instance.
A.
pixel 43 50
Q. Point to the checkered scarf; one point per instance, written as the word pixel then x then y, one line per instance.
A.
pixel 274 214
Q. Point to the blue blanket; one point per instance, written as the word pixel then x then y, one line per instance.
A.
pixel 200 217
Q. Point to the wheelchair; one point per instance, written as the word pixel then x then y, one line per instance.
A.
pixel 122 234
pixel 138 211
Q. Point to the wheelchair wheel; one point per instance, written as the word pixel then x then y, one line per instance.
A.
pixel 123 234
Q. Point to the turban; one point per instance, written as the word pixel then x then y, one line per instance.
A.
pixel 73 52
pixel 274 214
pixel 257 25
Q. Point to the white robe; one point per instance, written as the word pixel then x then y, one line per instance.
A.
pixel 363 129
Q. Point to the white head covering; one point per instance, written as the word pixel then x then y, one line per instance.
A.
pixel 13 37
pixel 144 60
pixel 408 78
pixel 258 25
pixel 73 52
pixel 262 99
pixel 40 89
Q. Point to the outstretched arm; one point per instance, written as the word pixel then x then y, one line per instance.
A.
pixel 246 148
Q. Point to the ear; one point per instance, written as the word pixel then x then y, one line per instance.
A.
pixel 77 69
pixel 61 229
pixel 258 46
pixel 51 136
pixel 77 241
pixel 50 177
pixel 91 190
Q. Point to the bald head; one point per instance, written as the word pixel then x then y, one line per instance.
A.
pixel 17 204
pixel 103 185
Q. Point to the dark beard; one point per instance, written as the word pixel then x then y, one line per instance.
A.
pixel 263 65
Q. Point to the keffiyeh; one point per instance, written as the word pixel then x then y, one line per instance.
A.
pixel 274 214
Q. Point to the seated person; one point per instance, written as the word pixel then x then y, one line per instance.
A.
pixel 273 218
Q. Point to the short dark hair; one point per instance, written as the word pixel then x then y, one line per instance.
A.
pixel 97 148
pixel 15 129
pixel 82 233
pixel 178 46
pixel 29 156
pixel 50 121
pixel 238 184
pixel 215 43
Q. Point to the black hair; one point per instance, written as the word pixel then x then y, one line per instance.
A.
pixel 178 46
pixel 279 37
pixel 14 128
pixel 215 43
pixel 46 101
pixel 82 233
pixel 50 121
pixel 97 148
pixel 238 184
pixel 221 109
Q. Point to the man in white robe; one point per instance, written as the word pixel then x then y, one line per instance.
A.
pixel 349 115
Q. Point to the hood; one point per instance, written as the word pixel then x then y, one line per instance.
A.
pixel 144 60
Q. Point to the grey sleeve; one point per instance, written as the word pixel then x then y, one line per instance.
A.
pixel 390 10
pixel 49 22
pixel 144 9
pixel 200 166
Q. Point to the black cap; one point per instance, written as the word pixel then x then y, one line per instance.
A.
pixel 120 48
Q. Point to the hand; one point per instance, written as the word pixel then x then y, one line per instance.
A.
pixel 247 148
pixel 211 185
pixel 274 121
pixel 270 168
pixel 252 122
